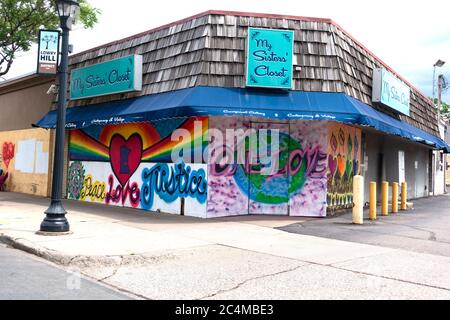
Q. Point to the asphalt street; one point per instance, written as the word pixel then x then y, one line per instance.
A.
pixel 25 277
pixel 160 256
pixel 425 229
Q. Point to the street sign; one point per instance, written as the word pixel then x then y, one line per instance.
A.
pixel 269 58
pixel 110 77
pixel 48 52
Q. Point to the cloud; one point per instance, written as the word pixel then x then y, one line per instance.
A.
pixel 407 35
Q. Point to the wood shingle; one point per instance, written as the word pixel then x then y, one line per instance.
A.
pixel 209 50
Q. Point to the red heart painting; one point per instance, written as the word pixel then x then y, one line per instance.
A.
pixel 8 153
pixel 125 156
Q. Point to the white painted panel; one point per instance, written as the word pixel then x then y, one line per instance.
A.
pixel 401 167
pixel 41 164
pixel 24 159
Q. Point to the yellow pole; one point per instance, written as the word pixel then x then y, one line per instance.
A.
pixel 373 201
pixel 404 195
pixel 384 198
pixel 395 197
pixel 358 200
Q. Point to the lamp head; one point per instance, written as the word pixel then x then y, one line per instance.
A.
pixel 67 12
pixel 439 63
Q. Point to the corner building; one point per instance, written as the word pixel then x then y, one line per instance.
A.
pixel 339 109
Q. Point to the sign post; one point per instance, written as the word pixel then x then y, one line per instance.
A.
pixel 48 52
pixel 270 58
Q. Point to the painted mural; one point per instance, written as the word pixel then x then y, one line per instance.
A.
pixel 8 153
pixel 131 165
pixel 344 158
pixel 24 155
pixel 297 186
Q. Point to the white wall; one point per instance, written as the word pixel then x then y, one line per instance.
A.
pixel 382 151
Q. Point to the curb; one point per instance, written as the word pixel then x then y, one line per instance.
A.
pixel 61 259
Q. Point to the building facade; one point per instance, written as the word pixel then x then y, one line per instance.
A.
pixel 157 141
pixel 25 152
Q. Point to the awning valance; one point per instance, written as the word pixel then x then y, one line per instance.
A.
pixel 205 101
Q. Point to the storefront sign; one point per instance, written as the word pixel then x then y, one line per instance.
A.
pixel 48 52
pixel 390 91
pixel 269 58
pixel 114 76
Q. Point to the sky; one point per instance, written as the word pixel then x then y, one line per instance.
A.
pixel 410 36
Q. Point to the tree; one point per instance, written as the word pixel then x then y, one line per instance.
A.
pixel 20 21
pixel 445 108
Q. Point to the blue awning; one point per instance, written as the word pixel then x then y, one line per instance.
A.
pixel 205 101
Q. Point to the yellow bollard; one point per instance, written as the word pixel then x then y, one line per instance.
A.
pixel 404 195
pixel 385 198
pixel 395 197
pixel 358 200
pixel 373 201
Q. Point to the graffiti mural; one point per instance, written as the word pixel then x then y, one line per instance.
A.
pixel 24 154
pixel 344 156
pixel 311 200
pixel 75 180
pixel 298 185
pixel 8 153
pixel 171 183
pixel 131 165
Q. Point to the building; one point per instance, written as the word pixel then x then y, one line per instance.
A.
pixel 26 152
pixel 177 89
pixel 439 164
pixel 445 123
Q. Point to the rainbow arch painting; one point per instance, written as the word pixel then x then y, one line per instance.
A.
pixel 93 143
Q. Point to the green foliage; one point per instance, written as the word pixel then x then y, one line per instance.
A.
pixel 20 21
pixel 88 14
pixel 444 107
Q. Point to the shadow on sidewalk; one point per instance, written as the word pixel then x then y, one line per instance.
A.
pixel 125 214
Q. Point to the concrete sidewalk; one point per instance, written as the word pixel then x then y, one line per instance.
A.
pixel 159 256
pixel 425 229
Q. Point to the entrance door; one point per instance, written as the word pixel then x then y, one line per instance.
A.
pixel 401 167
pixel 268 170
pixel 432 172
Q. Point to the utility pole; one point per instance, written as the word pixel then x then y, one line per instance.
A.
pixel 440 78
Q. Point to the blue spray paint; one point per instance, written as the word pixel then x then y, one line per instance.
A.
pixel 171 183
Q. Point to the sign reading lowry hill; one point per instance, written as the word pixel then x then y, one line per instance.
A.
pixel 110 77
pixel 269 58
pixel 390 91
pixel 48 52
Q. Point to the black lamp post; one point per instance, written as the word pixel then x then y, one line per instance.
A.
pixel 55 220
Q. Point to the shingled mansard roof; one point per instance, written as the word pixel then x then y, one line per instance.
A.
pixel 208 49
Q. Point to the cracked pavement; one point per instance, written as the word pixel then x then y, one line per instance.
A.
pixel 425 229
pixel 158 256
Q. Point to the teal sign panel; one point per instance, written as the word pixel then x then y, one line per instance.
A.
pixel 110 77
pixel 269 58
pixel 390 91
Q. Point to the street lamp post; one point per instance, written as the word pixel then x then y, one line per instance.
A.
pixel 438 64
pixel 55 220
